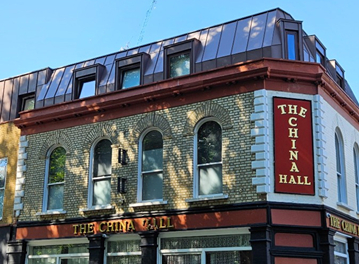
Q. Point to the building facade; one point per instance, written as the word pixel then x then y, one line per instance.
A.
pixel 232 144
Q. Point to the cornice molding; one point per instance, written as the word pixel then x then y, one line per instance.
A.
pixel 239 78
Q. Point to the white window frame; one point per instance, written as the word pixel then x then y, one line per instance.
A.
pixel 58 257
pixel 122 238
pixel 341 178
pixel 342 239
pixel 196 194
pixel 200 251
pixel 91 178
pixel 140 161
pixel 356 173
pixel 3 163
pixel 46 182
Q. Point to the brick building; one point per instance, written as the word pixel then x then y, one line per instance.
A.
pixel 231 144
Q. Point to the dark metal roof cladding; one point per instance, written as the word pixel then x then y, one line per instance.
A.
pixel 248 38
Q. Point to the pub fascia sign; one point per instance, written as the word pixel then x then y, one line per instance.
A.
pixel 123 226
pixel 342 225
pixel 293 146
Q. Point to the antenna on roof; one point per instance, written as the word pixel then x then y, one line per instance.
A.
pixel 148 13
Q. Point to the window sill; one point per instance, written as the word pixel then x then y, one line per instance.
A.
pixel 345 206
pixel 51 213
pixel 96 208
pixel 207 198
pixel 148 203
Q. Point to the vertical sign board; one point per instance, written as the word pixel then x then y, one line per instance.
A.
pixel 293 146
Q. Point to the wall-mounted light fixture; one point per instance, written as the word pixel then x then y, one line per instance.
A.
pixel 122 156
pixel 121 185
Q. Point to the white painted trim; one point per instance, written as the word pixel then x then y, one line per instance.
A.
pixel 46 180
pixel 148 203
pixel 196 194
pixel 140 201
pixel 90 172
pixel 207 198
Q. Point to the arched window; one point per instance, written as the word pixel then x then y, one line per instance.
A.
pixel 54 180
pixel 341 181
pixel 100 173
pixel 208 159
pixel 150 169
pixel 356 171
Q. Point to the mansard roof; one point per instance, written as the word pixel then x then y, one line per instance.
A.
pixel 249 38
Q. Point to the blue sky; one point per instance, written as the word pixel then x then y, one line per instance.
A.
pixel 37 34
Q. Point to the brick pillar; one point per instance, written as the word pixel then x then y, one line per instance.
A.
pixel 261 244
pixel 327 245
pixel 353 249
pixel 16 252
pixel 96 249
pixel 149 247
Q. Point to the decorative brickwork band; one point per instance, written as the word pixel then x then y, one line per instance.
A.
pixel 56 137
pixel 207 109
pixel 153 119
pixel 260 132
pixel 100 130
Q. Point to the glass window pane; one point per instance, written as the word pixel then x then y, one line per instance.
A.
pixel 102 192
pixel 29 104
pixel 340 247
pixel 102 158
pixel 209 143
pixel 124 246
pixel 225 257
pixel 131 78
pixel 181 259
pixel 1 201
pixel 87 88
pixel 179 65
pixel 291 46
pixel 152 154
pixel 2 176
pixel 210 180
pixel 43 261
pixel 124 260
pixel 152 186
pixel 206 242
pixel 340 260
pixel 76 260
pixel 56 193
pixel 57 165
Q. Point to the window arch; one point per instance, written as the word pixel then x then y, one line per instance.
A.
pixel 150 182
pixel 356 171
pixel 100 173
pixel 339 154
pixel 208 159
pixel 54 179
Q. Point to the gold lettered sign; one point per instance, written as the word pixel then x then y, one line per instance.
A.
pixel 123 226
pixel 293 146
pixel 342 225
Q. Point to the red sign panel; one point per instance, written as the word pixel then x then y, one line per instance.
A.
pixel 293 146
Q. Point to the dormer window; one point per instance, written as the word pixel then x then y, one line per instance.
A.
pixel 130 70
pixel 320 53
pixel 131 77
pixel 179 58
pixel 292 41
pixel 86 81
pixel 292 45
pixel 340 76
pixel 87 87
pixel 179 64
pixel 26 102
